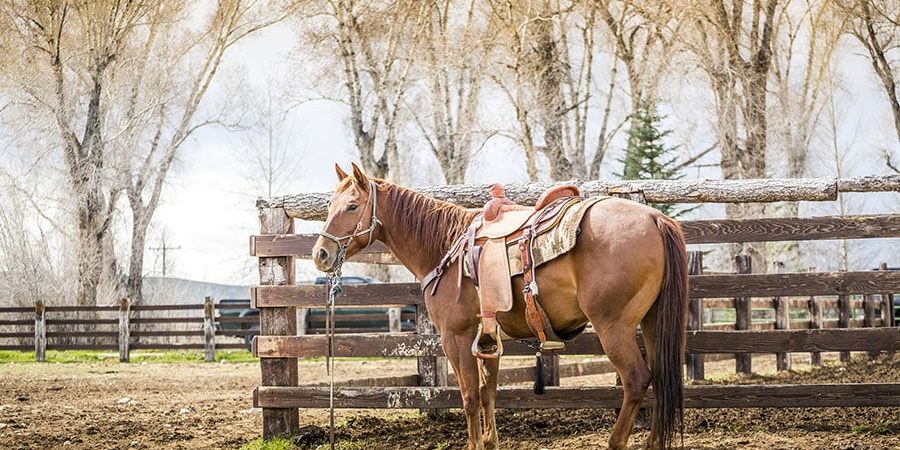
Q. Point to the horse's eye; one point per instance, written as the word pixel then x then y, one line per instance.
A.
pixel 352 207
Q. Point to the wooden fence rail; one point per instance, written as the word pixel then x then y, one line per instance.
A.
pixel 124 338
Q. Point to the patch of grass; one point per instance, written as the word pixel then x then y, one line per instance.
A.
pixel 8 356
pixel 137 356
pixel 272 444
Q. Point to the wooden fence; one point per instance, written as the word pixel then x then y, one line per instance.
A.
pixel 278 346
pixel 123 327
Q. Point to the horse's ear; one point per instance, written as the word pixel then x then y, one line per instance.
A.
pixel 360 177
pixel 340 172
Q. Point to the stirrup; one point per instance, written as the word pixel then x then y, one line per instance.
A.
pixel 552 346
pixel 476 350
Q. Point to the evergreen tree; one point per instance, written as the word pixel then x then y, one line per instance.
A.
pixel 647 157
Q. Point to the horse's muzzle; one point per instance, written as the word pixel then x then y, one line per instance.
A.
pixel 324 258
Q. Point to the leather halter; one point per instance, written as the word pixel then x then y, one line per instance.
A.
pixel 373 222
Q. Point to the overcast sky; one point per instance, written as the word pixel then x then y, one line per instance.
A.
pixel 209 214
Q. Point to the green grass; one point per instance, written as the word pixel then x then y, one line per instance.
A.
pixel 273 444
pixel 137 356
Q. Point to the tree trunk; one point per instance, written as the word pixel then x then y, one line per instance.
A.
pixel 90 263
pixel 550 99
pixel 139 227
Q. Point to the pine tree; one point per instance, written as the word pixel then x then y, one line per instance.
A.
pixel 647 157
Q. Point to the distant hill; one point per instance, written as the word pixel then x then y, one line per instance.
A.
pixel 170 291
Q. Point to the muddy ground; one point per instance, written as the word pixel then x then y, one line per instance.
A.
pixel 194 406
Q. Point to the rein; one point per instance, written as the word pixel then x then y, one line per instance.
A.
pixel 336 288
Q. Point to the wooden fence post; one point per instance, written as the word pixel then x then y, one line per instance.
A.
pixel 277 322
pixel 393 314
pixel 695 362
pixel 432 369
pixel 124 330
pixel 782 321
pixel 888 318
pixel 40 332
pixel 816 317
pixel 209 329
pixel 869 316
pixel 742 361
pixel 844 319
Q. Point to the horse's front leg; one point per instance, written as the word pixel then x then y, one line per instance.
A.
pixel 490 373
pixel 458 348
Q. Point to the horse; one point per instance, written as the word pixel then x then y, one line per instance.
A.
pixel 628 267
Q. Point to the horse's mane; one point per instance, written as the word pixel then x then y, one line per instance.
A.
pixel 433 224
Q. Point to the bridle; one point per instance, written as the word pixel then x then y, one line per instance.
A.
pixel 336 287
pixel 373 223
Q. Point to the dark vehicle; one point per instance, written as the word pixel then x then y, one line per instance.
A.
pixel 346 319
pixel 233 316
pixel 357 320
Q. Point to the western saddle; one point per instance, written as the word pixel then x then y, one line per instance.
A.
pixel 485 250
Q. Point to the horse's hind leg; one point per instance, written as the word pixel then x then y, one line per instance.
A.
pixel 465 365
pixel 490 373
pixel 648 331
pixel 622 350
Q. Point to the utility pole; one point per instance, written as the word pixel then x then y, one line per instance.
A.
pixel 164 249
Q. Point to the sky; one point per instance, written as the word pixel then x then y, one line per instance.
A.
pixel 208 211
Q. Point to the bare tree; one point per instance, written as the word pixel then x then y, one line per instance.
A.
pixel 733 43
pixel 123 81
pixel 802 65
pixel 375 44
pixel 163 109
pixel 266 152
pixel 546 74
pixel 457 44
pixel 876 25
pixel 59 39
pixel 645 36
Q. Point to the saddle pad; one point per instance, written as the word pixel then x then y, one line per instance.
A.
pixel 505 224
pixel 495 289
pixel 556 241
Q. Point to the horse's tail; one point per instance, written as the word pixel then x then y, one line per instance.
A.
pixel 671 304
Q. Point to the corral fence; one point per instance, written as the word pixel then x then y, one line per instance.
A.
pixel 123 327
pixel 278 299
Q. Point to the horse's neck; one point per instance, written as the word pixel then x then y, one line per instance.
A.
pixel 418 252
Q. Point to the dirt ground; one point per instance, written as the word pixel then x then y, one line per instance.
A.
pixel 194 406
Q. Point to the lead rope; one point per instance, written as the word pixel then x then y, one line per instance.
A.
pixel 336 287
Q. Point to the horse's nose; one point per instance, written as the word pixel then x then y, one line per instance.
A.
pixel 323 255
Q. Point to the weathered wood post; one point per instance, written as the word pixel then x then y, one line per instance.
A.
pixel 40 332
pixel 209 329
pixel 887 305
pixel 277 271
pixel 742 361
pixel 816 318
pixel 695 362
pixel 888 317
pixel 844 309
pixel 869 316
pixel 124 330
pixel 393 316
pixel 782 321
pixel 432 369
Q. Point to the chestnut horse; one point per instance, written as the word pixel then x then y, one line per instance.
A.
pixel 628 267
